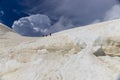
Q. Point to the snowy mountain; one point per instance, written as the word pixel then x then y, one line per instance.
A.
pixel 86 53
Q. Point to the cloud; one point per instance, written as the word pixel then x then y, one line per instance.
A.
pixel 1 13
pixel 62 24
pixel 80 12
pixel 113 13
pixel 60 15
pixel 38 25
pixel 34 25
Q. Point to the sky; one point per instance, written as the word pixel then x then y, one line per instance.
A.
pixel 42 17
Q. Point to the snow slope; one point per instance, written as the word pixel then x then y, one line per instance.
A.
pixel 85 53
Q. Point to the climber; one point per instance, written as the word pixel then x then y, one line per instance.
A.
pixel 50 34
pixel 46 35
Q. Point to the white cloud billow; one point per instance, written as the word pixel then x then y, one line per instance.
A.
pixel 113 13
pixel 34 25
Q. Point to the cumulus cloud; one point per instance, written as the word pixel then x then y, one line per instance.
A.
pixel 34 25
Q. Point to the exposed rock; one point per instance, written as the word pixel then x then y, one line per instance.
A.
pixel 99 52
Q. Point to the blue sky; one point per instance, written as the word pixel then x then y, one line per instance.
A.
pixel 41 17
pixel 11 11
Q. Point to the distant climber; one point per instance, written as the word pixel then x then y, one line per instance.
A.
pixel 46 35
pixel 50 34
pixel 42 35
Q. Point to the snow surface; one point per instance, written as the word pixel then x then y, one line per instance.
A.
pixel 85 53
